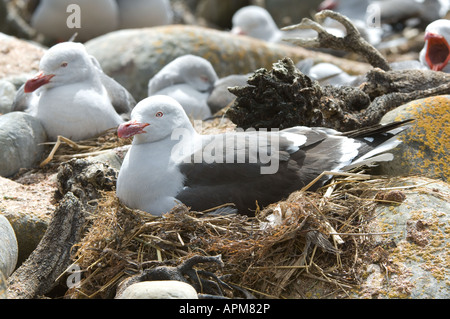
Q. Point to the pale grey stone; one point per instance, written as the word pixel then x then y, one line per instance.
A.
pixel 21 138
pixel 9 249
pixel 170 289
pixel 419 227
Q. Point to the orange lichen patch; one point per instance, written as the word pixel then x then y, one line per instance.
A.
pixel 431 134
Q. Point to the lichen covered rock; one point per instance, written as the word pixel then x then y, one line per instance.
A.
pixel 426 145
pixel 415 263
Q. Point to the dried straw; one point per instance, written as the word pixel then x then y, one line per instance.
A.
pixel 286 258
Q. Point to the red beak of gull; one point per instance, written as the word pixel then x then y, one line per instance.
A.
pixel 36 82
pixel 438 51
pixel 131 128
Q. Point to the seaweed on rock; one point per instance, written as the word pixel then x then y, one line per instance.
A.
pixel 284 97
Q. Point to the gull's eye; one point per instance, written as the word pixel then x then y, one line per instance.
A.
pixel 64 64
pixel 159 114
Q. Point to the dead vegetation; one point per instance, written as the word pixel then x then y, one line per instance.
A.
pixel 311 245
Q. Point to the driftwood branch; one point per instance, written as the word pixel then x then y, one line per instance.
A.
pixel 37 275
pixel 418 82
pixel 80 183
pixel 351 42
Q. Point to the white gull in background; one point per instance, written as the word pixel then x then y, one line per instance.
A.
pixel 359 12
pixel 71 95
pixel 327 73
pixel 169 162
pixel 96 18
pixel 255 21
pixel 189 79
pixel 410 13
pixel 378 19
pixel 144 13
pixel 435 54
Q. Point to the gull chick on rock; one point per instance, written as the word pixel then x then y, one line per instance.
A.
pixel 71 95
pixel 189 79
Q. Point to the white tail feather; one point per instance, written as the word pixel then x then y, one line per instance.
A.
pixel 377 154
pixel 385 157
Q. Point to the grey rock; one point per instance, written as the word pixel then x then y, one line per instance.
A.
pixel 164 289
pixel 9 249
pixel 21 138
pixel 7 93
pixel 419 263
pixel 19 79
pixel 132 57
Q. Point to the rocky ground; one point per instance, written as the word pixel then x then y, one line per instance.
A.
pixel 378 236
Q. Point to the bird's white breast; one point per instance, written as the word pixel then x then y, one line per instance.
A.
pixel 76 111
pixel 148 174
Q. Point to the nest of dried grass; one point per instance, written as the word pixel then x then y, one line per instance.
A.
pixel 312 244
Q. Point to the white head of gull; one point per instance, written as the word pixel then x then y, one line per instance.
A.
pixel 435 54
pixel 170 163
pixel 189 79
pixel 71 95
pixel 256 22
pixel 95 17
